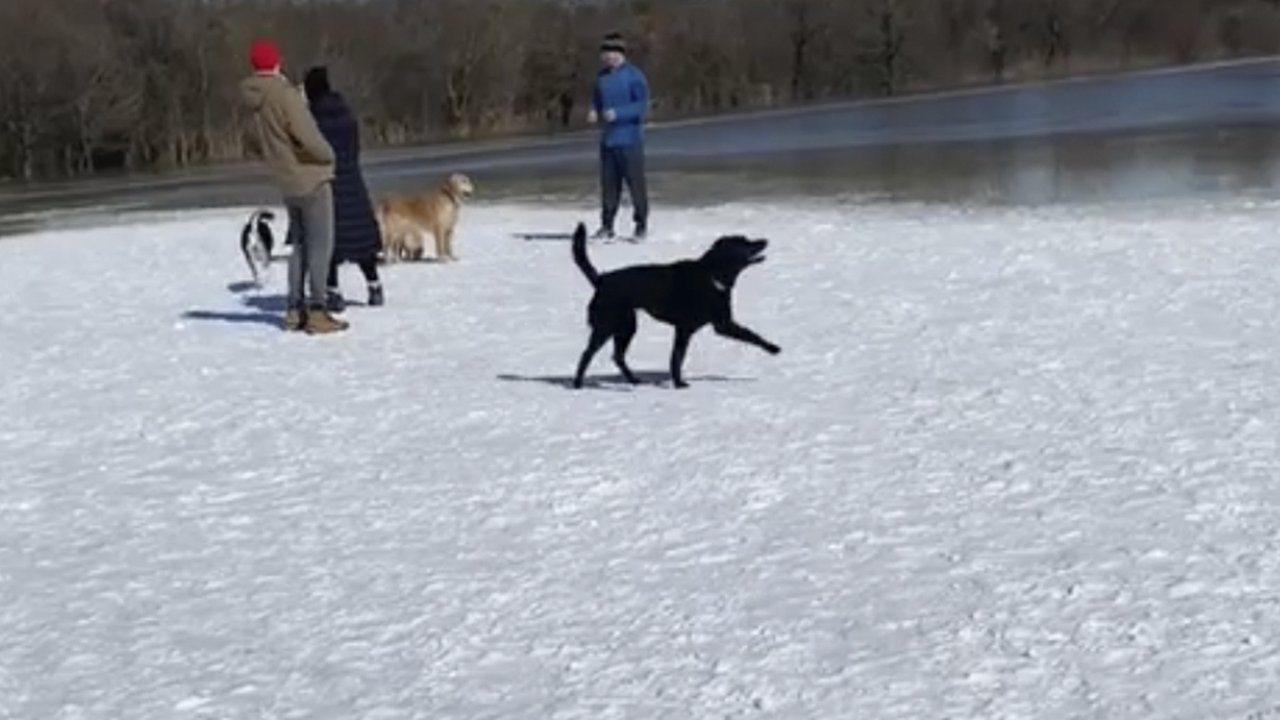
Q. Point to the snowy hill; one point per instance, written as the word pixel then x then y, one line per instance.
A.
pixel 1011 463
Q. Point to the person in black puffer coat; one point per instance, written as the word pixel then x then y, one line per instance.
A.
pixel 356 235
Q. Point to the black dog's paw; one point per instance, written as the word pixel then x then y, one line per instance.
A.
pixel 772 349
pixel 680 385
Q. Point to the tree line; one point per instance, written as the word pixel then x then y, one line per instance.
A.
pixel 94 85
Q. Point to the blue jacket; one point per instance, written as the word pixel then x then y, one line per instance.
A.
pixel 625 91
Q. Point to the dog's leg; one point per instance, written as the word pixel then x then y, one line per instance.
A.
pixel 621 341
pixel 390 246
pixel 438 234
pixel 733 330
pixel 598 338
pixel 678 350
pixel 448 244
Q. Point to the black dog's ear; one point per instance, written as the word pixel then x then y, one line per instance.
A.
pixel 724 244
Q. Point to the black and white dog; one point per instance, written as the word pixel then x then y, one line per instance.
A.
pixel 257 240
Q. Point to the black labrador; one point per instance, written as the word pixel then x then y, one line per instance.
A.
pixel 687 295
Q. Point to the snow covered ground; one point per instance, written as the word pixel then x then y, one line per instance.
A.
pixel 1012 463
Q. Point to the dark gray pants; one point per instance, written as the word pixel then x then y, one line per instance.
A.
pixel 619 165
pixel 311 234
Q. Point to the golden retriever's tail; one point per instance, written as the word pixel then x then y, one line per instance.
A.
pixel 580 256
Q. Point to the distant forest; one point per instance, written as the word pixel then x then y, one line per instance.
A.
pixel 91 85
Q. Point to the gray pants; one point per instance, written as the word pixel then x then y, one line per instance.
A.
pixel 311 234
pixel 619 165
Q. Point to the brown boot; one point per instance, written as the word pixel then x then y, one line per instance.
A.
pixel 320 322
pixel 294 319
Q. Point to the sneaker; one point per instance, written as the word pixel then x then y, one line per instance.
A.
pixel 334 302
pixel 376 298
pixel 603 233
pixel 294 319
pixel 320 322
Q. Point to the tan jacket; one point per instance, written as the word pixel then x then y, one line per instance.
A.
pixel 298 156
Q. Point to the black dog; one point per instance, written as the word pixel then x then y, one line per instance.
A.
pixel 687 295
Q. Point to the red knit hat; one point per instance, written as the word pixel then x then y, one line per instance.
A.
pixel 264 55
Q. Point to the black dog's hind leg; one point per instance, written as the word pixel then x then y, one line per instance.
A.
pixel 731 329
pixel 598 338
pixel 625 331
pixel 678 351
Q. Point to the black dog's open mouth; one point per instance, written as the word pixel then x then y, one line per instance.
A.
pixel 758 255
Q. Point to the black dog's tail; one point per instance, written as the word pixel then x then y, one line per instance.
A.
pixel 580 255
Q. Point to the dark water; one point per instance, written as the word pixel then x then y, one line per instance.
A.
pixel 1189 132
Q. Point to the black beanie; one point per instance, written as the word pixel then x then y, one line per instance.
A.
pixel 613 42
pixel 316 83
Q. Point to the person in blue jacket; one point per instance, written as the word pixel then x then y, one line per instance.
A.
pixel 620 102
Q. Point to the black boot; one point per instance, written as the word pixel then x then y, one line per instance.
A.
pixel 376 299
pixel 334 302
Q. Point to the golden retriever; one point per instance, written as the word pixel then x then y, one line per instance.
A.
pixel 404 219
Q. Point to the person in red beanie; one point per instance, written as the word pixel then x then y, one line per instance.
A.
pixel 301 162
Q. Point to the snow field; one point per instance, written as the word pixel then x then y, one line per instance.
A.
pixel 1012 463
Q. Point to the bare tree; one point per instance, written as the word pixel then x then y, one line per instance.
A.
pixel 91 85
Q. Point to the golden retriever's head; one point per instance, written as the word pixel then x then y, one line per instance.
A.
pixel 460 186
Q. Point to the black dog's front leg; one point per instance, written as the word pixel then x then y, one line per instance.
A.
pixel 731 329
pixel 678 351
